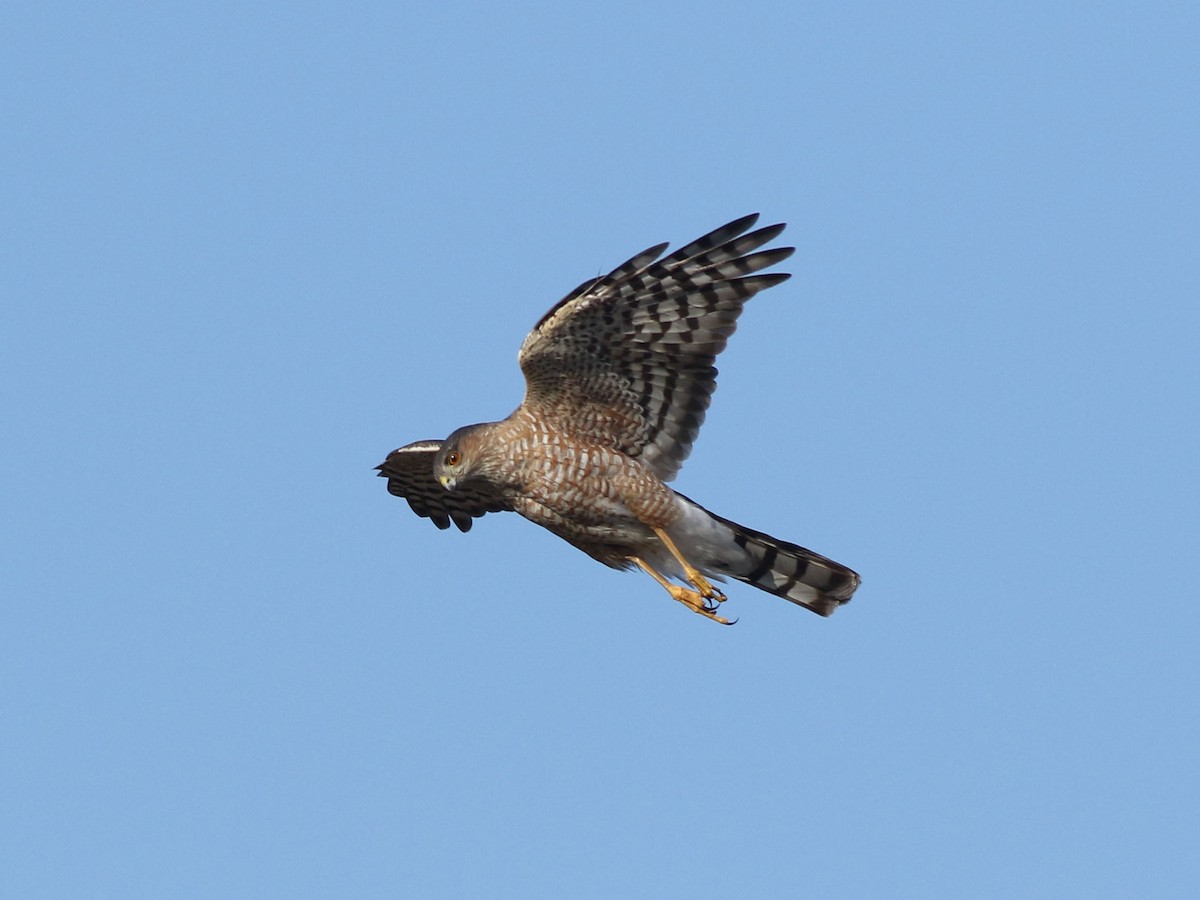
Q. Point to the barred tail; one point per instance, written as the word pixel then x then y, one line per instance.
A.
pixel 787 570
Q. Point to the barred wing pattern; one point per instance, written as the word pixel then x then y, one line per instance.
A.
pixel 626 360
pixel 409 471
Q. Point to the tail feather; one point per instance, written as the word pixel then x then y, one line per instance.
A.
pixel 788 570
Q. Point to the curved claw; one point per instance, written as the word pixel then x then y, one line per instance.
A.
pixel 694 576
pixel 704 601
pixel 698 604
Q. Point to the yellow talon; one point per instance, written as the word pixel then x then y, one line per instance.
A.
pixel 698 581
pixel 693 600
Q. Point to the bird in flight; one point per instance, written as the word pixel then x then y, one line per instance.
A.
pixel 618 377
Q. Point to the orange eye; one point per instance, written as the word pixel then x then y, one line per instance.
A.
pixel 453 458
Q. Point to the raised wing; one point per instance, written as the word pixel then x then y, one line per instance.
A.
pixel 409 471
pixel 626 360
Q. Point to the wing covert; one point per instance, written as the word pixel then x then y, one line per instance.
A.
pixel 627 359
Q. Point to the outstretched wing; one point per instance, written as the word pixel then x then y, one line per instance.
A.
pixel 409 471
pixel 627 359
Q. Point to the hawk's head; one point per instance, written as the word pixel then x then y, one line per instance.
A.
pixel 458 457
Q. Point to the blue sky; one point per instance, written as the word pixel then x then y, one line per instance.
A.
pixel 248 251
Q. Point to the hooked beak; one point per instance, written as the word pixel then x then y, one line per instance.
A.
pixel 447 481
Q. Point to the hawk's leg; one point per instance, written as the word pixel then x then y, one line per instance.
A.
pixel 699 582
pixel 693 600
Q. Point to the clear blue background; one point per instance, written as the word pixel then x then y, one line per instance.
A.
pixel 250 248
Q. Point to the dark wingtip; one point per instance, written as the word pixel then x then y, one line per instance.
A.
pixel 768 233
pixel 745 222
pixel 656 251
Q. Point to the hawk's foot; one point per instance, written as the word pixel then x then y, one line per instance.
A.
pixel 697 580
pixel 706 589
pixel 698 603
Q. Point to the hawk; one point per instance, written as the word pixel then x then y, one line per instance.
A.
pixel 618 376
